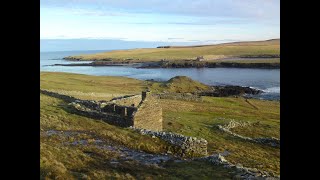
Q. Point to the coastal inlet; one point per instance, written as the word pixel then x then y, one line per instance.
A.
pixel 267 80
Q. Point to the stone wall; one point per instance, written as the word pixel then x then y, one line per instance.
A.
pixel 111 118
pixel 120 111
pixel 270 141
pixel 128 101
pixel 57 95
pixel 110 113
pixel 189 146
pixel 242 172
pixel 149 114
pixel 146 115
pixel 90 104
pixel 180 96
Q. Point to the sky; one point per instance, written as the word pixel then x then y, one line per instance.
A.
pixel 153 22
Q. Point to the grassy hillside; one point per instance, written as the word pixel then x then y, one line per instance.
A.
pixel 242 43
pixel 102 87
pixel 200 119
pixel 209 52
pixel 90 87
pixel 60 158
pixel 178 84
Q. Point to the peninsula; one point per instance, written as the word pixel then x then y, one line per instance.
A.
pixel 249 54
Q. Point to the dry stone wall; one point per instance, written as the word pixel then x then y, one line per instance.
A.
pixel 57 95
pixel 180 96
pixel 144 114
pixel 128 101
pixel 135 110
pixel 149 114
pixel 270 141
pixel 189 146
pixel 244 173
pixel 114 119
pixel 110 113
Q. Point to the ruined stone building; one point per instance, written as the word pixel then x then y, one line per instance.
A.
pixel 142 112
pixel 138 111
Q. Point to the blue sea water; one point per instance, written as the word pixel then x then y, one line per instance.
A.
pixel 267 80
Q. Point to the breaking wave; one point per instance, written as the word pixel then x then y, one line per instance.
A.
pixel 272 90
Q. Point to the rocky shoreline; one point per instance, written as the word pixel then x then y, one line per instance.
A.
pixel 206 64
pixel 225 91
pixel 173 64
pixel 217 91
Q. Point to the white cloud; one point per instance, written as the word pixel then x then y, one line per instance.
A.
pixel 154 20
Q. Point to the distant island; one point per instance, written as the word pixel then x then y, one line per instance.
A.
pixel 249 54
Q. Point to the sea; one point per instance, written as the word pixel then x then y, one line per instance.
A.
pixel 267 80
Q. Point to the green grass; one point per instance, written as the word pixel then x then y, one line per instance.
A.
pixel 253 60
pixel 201 120
pixel 56 114
pixel 58 160
pixel 90 87
pixel 257 130
pixel 61 161
pixel 178 84
pixel 188 53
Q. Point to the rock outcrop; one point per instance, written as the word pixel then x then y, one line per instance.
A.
pixel 224 91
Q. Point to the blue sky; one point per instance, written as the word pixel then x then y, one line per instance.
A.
pixel 163 21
